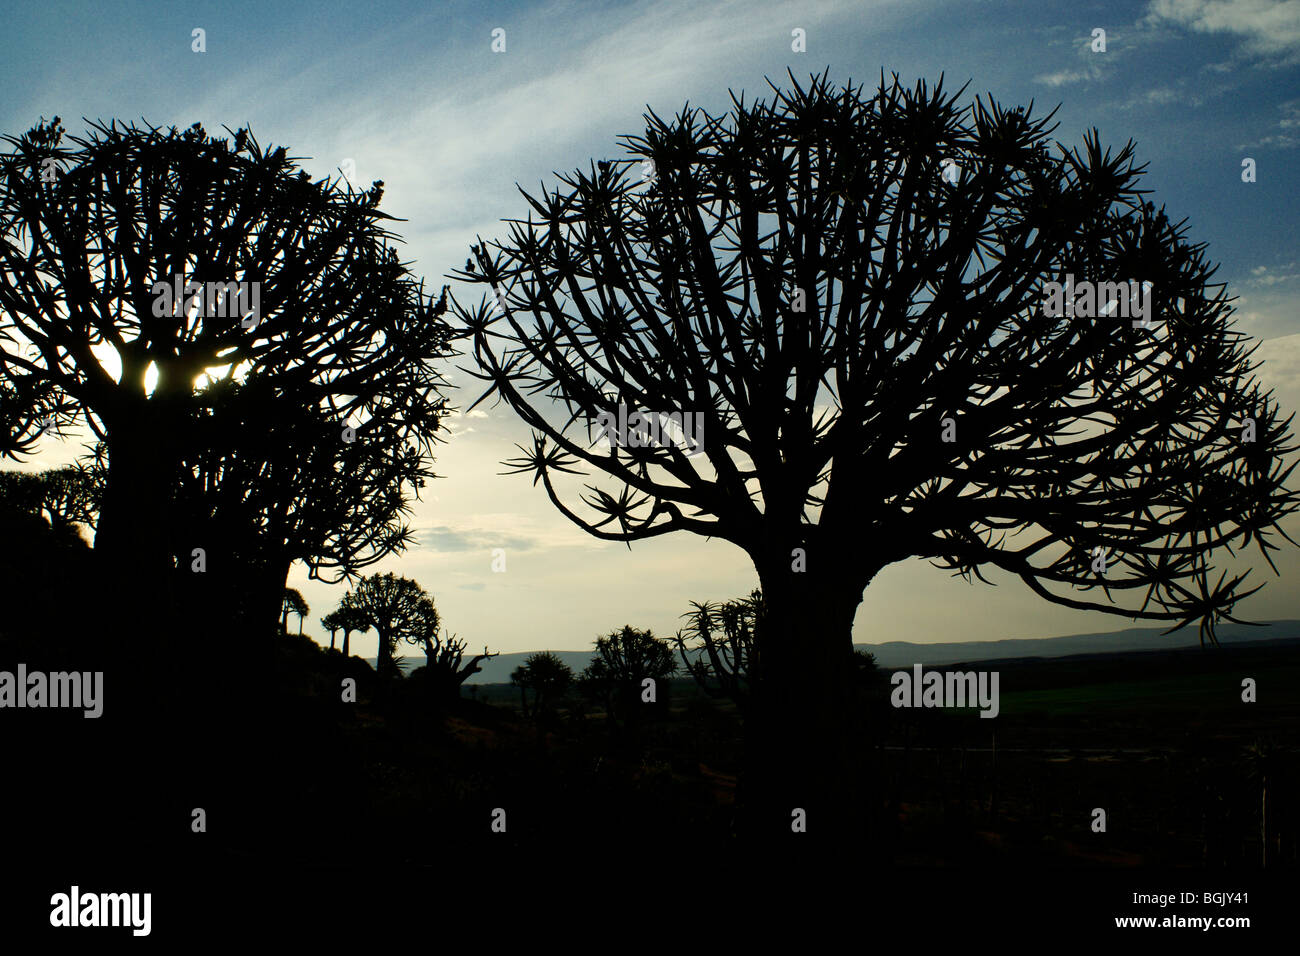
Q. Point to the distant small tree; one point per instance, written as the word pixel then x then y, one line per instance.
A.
pixel 63 496
pixel 1261 765
pixel 519 678
pixel 866 664
pixel 350 620
pixel 396 607
pixel 623 661
pixel 546 676
pixel 333 622
pixel 293 603
pixel 717 645
pixel 43 559
pixel 445 669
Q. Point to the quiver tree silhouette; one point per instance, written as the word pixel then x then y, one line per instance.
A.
pixel 445 668
pixel 519 678
pixel 70 496
pixel 333 622
pixel 63 496
pixel 623 660
pixel 94 230
pixel 849 293
pixel 45 556
pixel 398 609
pixel 1267 773
pixel 296 487
pixel 546 676
pixel 724 649
pixel 293 603
pixel 350 619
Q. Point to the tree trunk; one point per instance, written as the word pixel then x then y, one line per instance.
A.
pixel 802 730
pixel 266 603
pixel 133 535
pixel 333 635
pixel 347 633
pixel 383 658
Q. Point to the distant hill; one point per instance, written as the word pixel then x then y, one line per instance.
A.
pixel 907 653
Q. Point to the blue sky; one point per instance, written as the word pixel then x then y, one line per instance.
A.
pixel 413 94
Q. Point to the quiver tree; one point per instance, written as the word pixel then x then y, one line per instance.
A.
pixel 717 646
pixel 350 619
pixel 519 678
pixel 333 622
pixel 397 608
pixel 271 483
pixel 63 496
pixel 445 668
pixel 849 291
pixel 623 661
pixel 546 676
pixel 45 557
pixel 299 296
pixel 293 603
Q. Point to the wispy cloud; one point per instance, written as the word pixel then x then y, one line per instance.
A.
pixel 1288 126
pixel 1266 276
pixel 444 538
pixel 1066 77
pixel 1269 30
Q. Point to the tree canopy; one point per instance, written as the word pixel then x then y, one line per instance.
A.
pixel 623 660
pixel 848 296
pixel 396 607
pixel 717 645
pixel 807 279
pixel 287 389
pixel 546 675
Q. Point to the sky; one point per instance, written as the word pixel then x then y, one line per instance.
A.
pixel 414 94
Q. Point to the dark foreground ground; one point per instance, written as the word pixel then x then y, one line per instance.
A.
pixel 332 814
